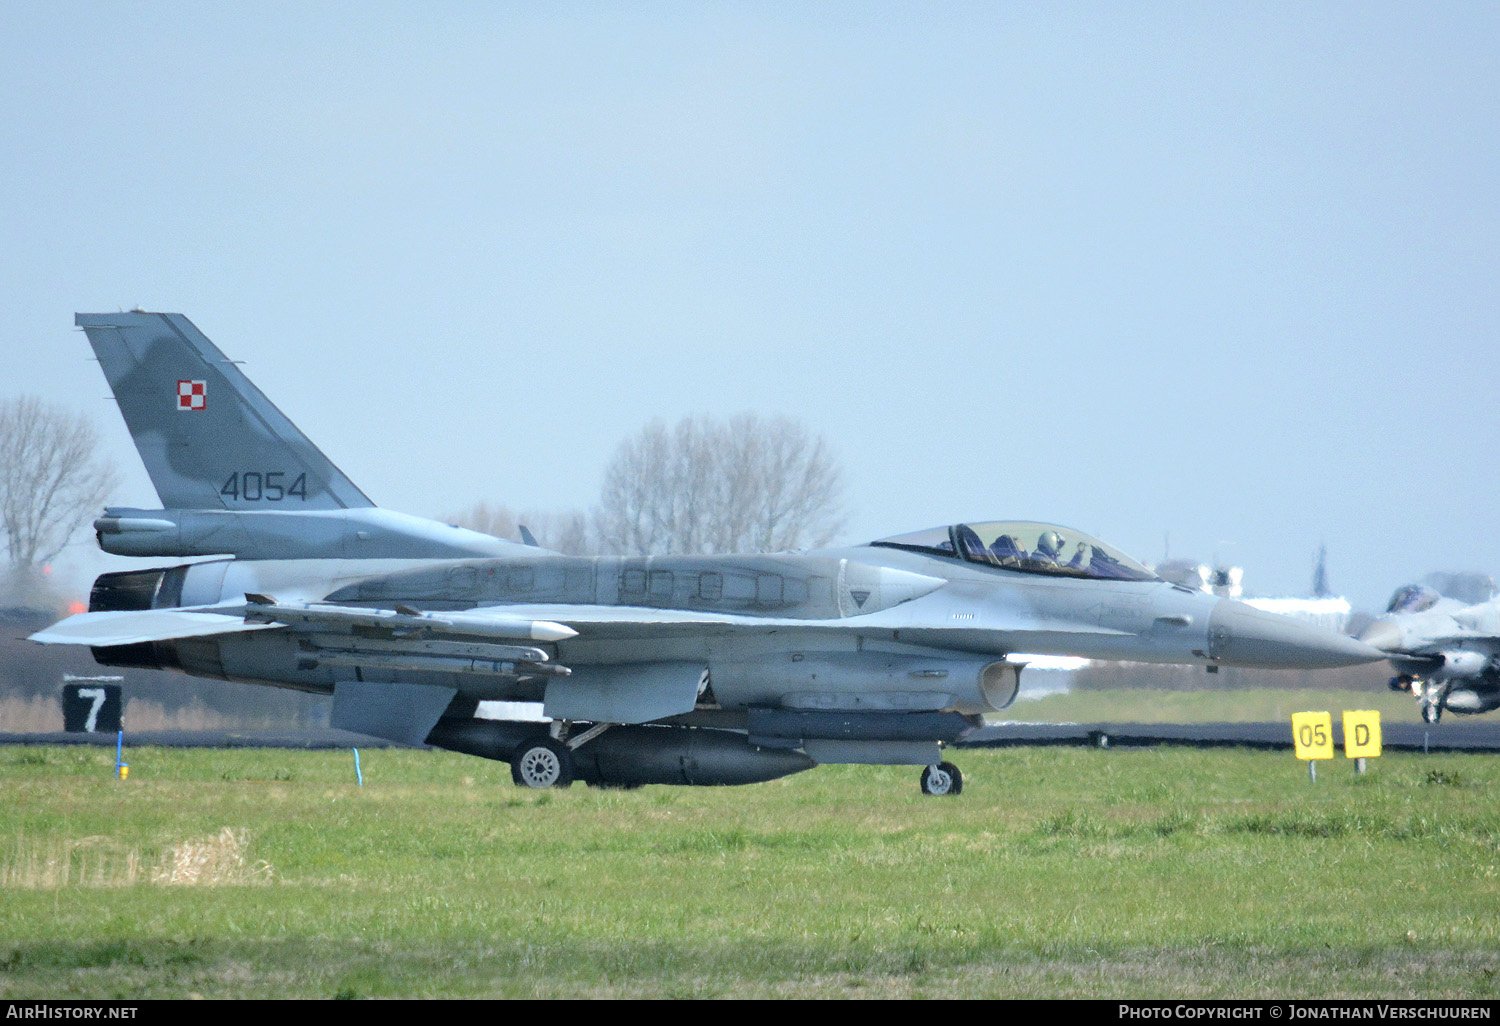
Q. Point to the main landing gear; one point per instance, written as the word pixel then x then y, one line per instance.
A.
pixel 545 762
pixel 944 778
pixel 548 761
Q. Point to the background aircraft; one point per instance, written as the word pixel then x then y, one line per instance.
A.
pixel 1442 649
pixel 667 669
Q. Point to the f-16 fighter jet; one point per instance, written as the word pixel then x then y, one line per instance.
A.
pixel 650 670
pixel 1444 651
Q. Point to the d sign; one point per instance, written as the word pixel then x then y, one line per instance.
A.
pixel 1361 733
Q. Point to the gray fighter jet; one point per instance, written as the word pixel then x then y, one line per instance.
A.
pixel 1444 651
pixel 668 669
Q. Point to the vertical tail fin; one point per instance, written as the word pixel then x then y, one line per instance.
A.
pixel 209 438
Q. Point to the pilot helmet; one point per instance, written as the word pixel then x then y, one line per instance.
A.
pixel 1049 543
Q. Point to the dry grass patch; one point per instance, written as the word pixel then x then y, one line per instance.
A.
pixel 212 862
pixel 63 862
pixel 97 861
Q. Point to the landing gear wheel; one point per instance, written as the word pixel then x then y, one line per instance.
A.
pixel 1431 712
pixel 944 778
pixel 542 763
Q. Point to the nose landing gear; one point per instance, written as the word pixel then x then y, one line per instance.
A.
pixel 1431 699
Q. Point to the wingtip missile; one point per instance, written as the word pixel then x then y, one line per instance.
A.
pixel 405 619
pixel 549 630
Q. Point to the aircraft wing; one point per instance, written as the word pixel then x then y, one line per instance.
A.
pixel 509 623
pixel 137 626
pixel 261 613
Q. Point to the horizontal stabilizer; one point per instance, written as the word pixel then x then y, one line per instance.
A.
pixel 138 626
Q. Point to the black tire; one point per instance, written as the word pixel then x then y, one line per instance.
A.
pixel 542 763
pixel 1431 713
pixel 942 779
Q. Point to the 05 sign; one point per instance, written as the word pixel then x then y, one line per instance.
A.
pixel 1312 733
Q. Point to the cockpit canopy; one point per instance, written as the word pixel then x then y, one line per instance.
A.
pixel 1028 547
pixel 1413 598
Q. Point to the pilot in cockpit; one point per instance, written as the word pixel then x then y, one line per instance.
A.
pixel 1048 548
pixel 1056 552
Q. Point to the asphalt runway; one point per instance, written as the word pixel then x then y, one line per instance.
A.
pixel 1447 736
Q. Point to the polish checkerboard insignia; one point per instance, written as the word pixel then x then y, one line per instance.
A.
pixel 192 395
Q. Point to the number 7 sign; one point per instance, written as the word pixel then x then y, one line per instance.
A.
pixel 91 708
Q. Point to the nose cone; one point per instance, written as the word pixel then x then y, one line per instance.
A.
pixel 1383 634
pixel 1241 635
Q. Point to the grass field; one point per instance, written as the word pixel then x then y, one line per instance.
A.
pixel 1170 872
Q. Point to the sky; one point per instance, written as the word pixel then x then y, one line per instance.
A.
pixel 1218 279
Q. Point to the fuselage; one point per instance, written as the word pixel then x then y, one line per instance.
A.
pixel 917 628
pixel 691 669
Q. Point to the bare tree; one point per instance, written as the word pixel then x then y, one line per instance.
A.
pixel 496 520
pixel 566 532
pixel 743 485
pixel 52 479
